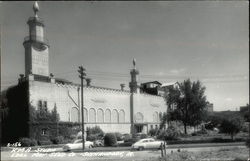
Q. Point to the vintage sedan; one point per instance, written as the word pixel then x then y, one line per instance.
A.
pixel 77 145
pixel 147 143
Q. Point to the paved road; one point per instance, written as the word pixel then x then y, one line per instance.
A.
pixel 56 154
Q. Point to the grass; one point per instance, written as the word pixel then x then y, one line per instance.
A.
pixel 229 153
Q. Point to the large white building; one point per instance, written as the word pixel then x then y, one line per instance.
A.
pixel 113 110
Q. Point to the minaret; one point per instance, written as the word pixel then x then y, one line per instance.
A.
pixel 133 84
pixel 133 89
pixel 36 47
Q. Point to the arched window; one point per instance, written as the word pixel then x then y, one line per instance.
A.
pixel 121 116
pixel 115 116
pixel 155 117
pixel 85 115
pixel 74 114
pixel 107 115
pixel 92 115
pixel 160 116
pixel 138 117
pixel 100 115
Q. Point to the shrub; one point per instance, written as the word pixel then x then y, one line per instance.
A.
pixel 170 134
pixel 27 142
pixel 202 131
pixel 152 132
pixel 94 133
pixel 119 136
pixel 91 137
pixel 110 139
pixel 127 137
pixel 231 126
pixel 44 142
pixel 57 140
pixel 144 136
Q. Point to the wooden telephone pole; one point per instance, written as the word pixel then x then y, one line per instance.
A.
pixel 82 76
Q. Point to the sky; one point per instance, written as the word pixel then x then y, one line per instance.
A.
pixel 170 40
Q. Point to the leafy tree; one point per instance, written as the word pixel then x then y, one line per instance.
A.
pixel 231 126
pixel 54 114
pixel 187 103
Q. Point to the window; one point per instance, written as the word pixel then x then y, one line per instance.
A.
pixel 100 115
pixel 74 114
pixel 160 115
pixel 115 116
pixel 92 115
pixel 40 104
pixel 44 131
pixel 121 116
pixel 45 104
pixel 138 117
pixel 108 115
pixel 85 115
pixel 155 117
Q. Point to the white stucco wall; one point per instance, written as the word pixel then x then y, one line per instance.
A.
pixel 67 97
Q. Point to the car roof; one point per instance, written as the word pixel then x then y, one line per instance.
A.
pixel 147 139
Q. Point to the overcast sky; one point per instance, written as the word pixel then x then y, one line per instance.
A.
pixel 171 41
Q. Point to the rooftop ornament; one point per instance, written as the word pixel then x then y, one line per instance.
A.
pixel 134 63
pixel 36 8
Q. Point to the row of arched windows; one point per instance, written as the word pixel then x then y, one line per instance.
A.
pixel 99 116
pixel 157 116
pixel 108 116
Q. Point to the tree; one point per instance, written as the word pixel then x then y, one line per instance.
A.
pixel 231 126
pixel 187 103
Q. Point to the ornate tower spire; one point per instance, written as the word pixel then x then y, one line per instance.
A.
pixel 133 84
pixel 36 8
pixel 134 63
pixel 36 47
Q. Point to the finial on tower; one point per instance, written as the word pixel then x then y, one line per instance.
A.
pixel 36 8
pixel 134 63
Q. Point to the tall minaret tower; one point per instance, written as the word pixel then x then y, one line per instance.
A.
pixel 133 84
pixel 36 47
pixel 134 88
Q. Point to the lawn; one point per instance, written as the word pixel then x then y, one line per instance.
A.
pixel 228 153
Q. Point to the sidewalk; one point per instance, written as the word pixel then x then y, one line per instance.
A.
pixel 105 149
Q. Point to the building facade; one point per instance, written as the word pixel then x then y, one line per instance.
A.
pixel 112 110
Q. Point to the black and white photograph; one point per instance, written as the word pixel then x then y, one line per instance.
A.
pixel 124 80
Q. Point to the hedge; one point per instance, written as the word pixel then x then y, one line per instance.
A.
pixel 110 139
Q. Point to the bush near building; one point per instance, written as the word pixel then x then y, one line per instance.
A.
pixel 26 142
pixel 110 139
pixel 94 133
pixel 171 133
pixel 119 136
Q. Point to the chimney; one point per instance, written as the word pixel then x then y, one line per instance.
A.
pixel 88 80
pixel 122 86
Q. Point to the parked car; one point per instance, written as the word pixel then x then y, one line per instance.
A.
pixel 148 143
pixel 99 143
pixel 77 144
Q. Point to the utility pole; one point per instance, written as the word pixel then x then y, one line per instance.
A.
pixel 82 76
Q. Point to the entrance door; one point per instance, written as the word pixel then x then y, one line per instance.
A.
pixel 138 128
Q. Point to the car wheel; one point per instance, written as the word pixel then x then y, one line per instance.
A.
pixel 91 146
pixel 140 148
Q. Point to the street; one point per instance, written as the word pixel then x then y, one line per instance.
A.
pixel 58 154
